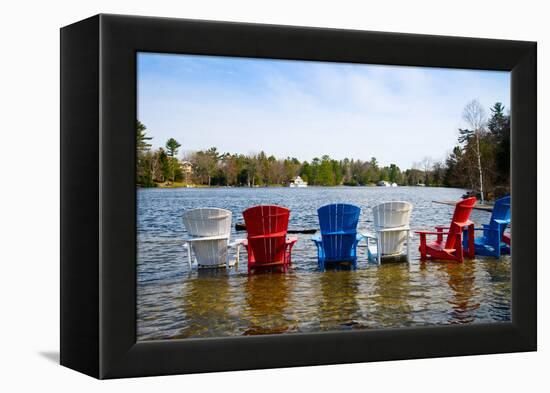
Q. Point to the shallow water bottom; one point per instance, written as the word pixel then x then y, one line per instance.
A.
pixel 220 303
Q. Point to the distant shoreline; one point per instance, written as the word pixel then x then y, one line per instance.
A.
pixel 182 185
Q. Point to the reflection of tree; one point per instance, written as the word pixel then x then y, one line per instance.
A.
pixel 338 305
pixel 206 303
pixel 266 297
pixel 462 283
pixel 392 293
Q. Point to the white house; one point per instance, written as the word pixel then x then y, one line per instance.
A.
pixel 297 182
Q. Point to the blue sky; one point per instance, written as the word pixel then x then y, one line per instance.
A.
pixel 307 109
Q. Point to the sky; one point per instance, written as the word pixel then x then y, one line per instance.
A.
pixel 307 109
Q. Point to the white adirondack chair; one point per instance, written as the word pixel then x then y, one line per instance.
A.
pixel 210 232
pixel 392 231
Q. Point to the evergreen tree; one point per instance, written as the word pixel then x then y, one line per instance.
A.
pixel 142 138
pixel 497 122
pixel 172 147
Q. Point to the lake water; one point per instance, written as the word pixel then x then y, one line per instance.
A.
pixel 174 302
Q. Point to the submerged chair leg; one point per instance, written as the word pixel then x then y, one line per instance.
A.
pixel 189 256
pixel 379 249
pixel 423 249
pixel 459 252
pixel 409 246
pixel 321 265
pixel 471 242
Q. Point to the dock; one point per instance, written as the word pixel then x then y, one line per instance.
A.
pixel 486 208
pixel 242 227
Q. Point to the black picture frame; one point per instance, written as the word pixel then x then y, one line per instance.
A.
pixel 98 219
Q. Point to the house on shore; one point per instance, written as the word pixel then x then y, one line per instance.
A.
pixel 187 170
pixel 297 182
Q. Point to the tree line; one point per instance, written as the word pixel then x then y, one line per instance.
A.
pixel 479 161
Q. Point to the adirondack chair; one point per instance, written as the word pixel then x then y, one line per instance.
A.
pixel 493 242
pixel 338 239
pixel 210 231
pixel 391 226
pixel 267 243
pixel 507 239
pixel 451 249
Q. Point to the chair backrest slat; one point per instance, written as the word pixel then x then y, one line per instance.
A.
pixel 392 215
pixel 207 221
pixel 262 221
pixel 461 215
pixel 501 211
pixel 338 224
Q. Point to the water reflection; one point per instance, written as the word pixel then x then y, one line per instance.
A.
pixel 497 306
pixel 462 281
pixel 338 301
pixel 266 297
pixel 391 294
pixel 206 304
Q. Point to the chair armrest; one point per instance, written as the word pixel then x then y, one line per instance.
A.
pixel 487 228
pixel 395 229
pixel 317 238
pixel 291 240
pixel 369 237
pixel 502 221
pixel 432 232
pixel 237 242
pixel 465 224
pixel 480 229
pixel 338 233
pixel 206 238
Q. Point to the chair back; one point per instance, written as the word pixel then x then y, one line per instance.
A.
pixel 392 215
pixel 338 224
pixel 501 212
pixel 266 226
pixel 207 221
pixel 500 218
pixel 461 216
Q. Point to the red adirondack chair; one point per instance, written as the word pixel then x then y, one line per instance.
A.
pixel 267 243
pixel 451 249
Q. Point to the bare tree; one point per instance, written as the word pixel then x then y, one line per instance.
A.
pixel 426 165
pixel 474 116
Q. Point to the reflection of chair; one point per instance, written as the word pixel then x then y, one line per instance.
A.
pixel 267 298
pixel 493 242
pixel 339 238
pixel 451 249
pixel 267 243
pixel 391 226
pixel 210 231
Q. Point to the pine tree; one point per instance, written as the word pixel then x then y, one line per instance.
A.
pixel 172 147
pixel 142 138
pixel 497 122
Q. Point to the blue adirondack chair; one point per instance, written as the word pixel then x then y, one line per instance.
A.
pixel 338 239
pixel 491 243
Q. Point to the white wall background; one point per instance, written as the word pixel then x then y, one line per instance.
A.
pixel 29 208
